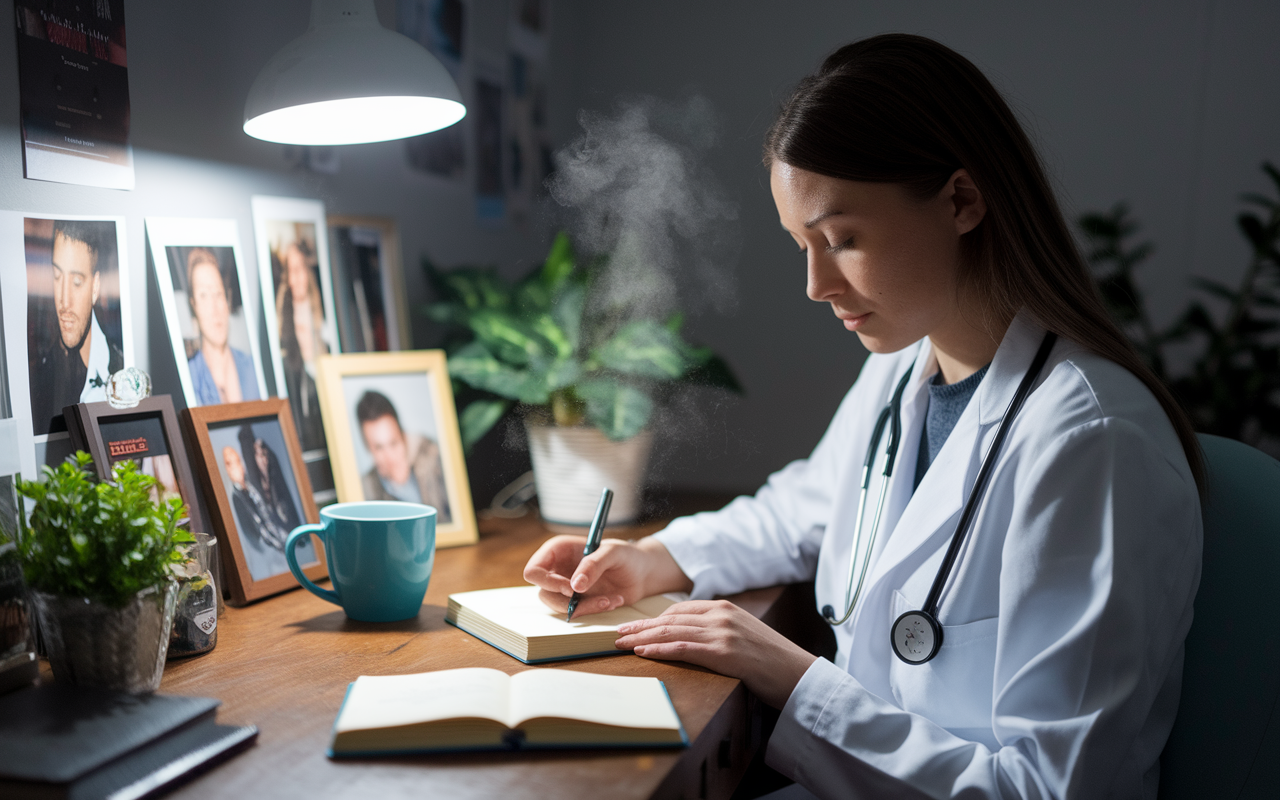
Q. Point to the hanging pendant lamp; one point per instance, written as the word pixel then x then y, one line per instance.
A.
pixel 349 80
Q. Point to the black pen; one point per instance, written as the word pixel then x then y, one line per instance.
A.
pixel 593 540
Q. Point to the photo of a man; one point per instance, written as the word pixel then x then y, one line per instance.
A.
pixel 73 315
pixel 220 373
pixel 406 466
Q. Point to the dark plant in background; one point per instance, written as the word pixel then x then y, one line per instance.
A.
pixel 1233 386
pixel 548 343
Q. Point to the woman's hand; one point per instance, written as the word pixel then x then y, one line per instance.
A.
pixel 720 636
pixel 618 573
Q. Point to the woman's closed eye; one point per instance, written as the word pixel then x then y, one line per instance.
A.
pixel 836 248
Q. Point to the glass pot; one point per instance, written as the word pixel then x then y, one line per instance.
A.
pixel 195 620
pixel 92 644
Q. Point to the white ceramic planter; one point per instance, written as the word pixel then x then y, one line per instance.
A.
pixel 572 465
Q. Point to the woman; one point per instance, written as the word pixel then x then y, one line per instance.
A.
pixel 219 372
pixel 926 222
pixel 302 338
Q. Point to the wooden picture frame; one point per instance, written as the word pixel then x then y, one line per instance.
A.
pixel 93 426
pixel 415 412
pixel 253 560
pixel 356 313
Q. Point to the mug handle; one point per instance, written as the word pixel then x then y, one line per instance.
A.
pixel 291 556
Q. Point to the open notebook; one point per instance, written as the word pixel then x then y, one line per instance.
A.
pixel 516 622
pixel 484 709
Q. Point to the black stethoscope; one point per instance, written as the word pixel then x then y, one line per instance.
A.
pixel 916 636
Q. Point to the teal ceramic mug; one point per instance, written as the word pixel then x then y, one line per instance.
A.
pixel 380 556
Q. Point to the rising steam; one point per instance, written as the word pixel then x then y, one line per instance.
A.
pixel 633 187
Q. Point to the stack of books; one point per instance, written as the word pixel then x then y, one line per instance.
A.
pixel 70 742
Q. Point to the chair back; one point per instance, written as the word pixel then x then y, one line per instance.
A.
pixel 1225 742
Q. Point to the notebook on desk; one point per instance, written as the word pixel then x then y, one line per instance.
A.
pixel 516 622
pixel 485 709
pixel 68 742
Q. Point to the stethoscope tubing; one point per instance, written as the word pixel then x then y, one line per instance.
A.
pixel 892 413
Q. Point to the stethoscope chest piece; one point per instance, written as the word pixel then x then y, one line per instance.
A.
pixel 917 636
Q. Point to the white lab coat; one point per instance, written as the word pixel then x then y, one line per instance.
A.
pixel 1064 620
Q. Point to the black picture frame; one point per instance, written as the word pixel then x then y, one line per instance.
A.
pixel 85 424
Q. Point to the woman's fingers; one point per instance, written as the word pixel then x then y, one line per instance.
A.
pixel 593 567
pixel 550 567
pixel 665 633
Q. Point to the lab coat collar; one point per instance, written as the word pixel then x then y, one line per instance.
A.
pixel 915 515
pixel 1016 352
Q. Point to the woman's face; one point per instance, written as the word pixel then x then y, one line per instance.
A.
pixel 209 303
pixel 885 261
pixel 296 273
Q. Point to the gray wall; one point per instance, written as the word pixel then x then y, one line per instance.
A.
pixel 190 68
pixel 1170 105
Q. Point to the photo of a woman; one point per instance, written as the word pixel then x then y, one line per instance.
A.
pixel 301 319
pixel 220 373
pixel 207 308
pixel 297 291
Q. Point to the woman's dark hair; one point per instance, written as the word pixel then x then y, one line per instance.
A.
pixel 907 110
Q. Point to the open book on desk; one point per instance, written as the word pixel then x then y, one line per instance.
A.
pixel 485 709
pixel 516 622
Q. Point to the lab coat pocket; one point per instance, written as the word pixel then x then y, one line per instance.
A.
pixel 955 688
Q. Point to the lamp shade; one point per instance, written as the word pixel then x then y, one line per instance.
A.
pixel 349 80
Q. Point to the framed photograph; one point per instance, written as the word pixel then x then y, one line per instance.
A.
pixel 208 302
pixel 251 468
pixel 297 292
pixel 393 435
pixel 147 434
pixel 368 284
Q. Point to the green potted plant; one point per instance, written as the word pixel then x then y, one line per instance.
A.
pixel 585 373
pixel 1231 382
pixel 98 559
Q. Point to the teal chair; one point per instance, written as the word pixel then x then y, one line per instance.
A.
pixel 1226 740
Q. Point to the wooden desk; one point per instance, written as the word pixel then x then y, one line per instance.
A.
pixel 284 664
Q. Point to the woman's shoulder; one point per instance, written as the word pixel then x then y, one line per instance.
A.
pixel 1084 391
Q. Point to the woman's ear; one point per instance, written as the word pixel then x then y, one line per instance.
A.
pixel 968 204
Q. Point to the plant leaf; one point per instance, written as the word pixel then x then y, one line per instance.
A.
pixel 618 409
pixel 647 349
pixel 508 338
pixel 478 418
pixel 475 366
pixel 559 264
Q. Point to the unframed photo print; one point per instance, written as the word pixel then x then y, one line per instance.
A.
pixel 77 297
pixel 204 291
pixel 293 258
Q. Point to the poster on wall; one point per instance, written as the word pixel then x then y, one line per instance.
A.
pixel 297 292
pixel 439 26
pixel 74 85
pixel 207 301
